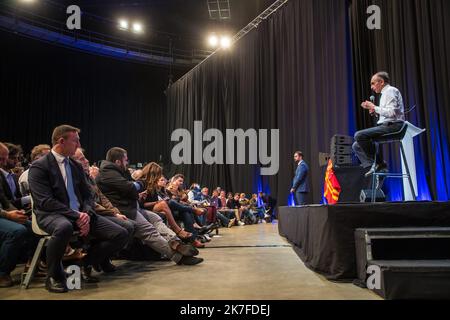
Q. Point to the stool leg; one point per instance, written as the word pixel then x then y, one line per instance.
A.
pixel 34 262
pixel 374 175
pixel 407 171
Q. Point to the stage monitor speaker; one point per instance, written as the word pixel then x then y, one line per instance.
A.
pixel 341 150
pixel 323 159
pixel 342 160
pixel 366 195
pixel 340 139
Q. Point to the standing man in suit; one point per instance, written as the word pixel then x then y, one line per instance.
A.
pixel 300 186
pixel 63 202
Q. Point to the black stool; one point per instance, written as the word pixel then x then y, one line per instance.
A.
pixel 394 137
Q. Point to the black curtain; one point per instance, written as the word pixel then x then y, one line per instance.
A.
pixel 413 45
pixel 292 73
pixel 115 103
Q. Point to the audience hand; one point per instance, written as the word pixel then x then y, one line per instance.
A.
pixel 292 190
pixel 143 195
pixel 18 216
pixel 93 172
pixel 122 217
pixel 83 223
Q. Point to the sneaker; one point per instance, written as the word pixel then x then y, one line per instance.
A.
pixel 231 223
pixel 240 223
pixel 190 261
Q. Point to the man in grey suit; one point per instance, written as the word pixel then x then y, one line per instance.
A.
pixel 300 186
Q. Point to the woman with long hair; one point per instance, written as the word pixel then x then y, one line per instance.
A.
pixel 152 200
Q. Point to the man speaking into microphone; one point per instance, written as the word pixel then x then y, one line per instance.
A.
pixel 391 119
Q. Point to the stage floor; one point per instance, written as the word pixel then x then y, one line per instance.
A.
pixel 323 236
pixel 250 262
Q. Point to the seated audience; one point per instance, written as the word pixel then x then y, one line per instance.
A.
pixel 16 235
pixel 116 183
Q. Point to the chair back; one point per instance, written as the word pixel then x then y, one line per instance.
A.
pixel 34 225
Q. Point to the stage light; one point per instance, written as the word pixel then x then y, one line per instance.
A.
pixel 123 24
pixel 137 27
pixel 225 42
pixel 213 40
pixel 27 1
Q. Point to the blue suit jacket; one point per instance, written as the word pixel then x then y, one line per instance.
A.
pixel 300 183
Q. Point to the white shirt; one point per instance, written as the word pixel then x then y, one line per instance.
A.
pixel 23 182
pixel 391 105
pixel 60 160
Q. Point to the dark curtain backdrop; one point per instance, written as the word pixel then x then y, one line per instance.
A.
pixel 115 103
pixel 414 47
pixel 292 73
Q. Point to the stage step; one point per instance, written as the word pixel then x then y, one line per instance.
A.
pixel 413 279
pixel 413 263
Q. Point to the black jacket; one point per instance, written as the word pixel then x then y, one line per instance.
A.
pixel 117 185
pixel 49 192
pixel 7 191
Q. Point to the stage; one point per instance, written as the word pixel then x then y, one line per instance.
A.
pixel 323 236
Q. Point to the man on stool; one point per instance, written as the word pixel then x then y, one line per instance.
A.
pixel 391 113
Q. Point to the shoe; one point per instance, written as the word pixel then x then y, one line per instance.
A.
pixel 382 168
pixel 186 250
pixel 231 223
pixel 190 261
pixel 86 275
pixel 206 229
pixel 207 237
pixel 6 281
pixel 55 286
pixel 370 172
pixel 240 223
pixel 198 244
pixel 74 255
pixel 183 234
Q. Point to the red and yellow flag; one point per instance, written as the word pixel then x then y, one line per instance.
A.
pixel 332 188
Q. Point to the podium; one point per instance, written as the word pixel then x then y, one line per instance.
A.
pixel 408 146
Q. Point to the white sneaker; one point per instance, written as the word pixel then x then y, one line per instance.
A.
pixel 266 216
pixel 240 223
pixel 264 221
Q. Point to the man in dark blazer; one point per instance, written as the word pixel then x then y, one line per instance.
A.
pixel 9 181
pixel 63 202
pixel 300 186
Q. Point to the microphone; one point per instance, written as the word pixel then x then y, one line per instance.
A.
pixel 372 99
